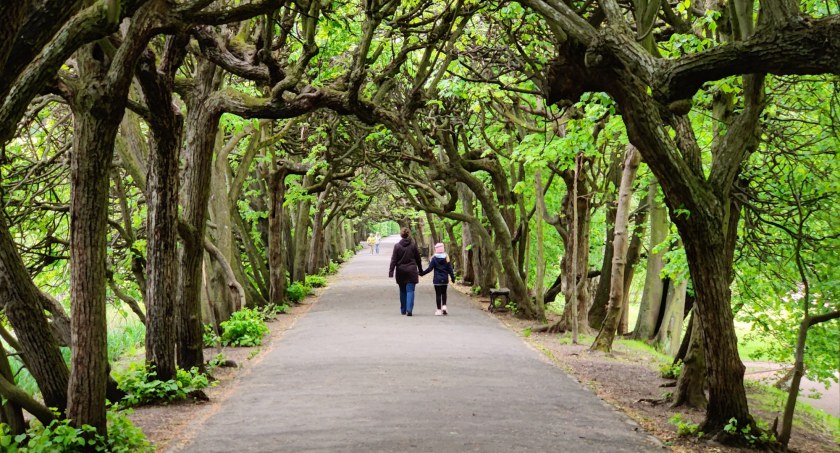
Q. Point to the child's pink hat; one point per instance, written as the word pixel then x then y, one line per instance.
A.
pixel 439 247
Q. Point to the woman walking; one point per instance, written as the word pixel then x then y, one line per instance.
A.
pixel 406 261
pixel 443 272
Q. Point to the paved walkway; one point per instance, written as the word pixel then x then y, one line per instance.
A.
pixel 354 375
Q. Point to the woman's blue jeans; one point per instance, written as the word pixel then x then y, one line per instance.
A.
pixel 407 298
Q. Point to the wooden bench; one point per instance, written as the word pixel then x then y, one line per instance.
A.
pixel 498 292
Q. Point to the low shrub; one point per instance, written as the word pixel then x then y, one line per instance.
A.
pixel 671 370
pixel 60 436
pixel 245 327
pixel 316 281
pixel 141 385
pixel 297 291
pixel 685 428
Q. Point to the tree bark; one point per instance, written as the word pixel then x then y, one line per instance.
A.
pixel 668 337
pixel 26 315
pixel 652 295
pixel 598 310
pixel 11 412
pixel 633 254
pixel 603 342
pixel 96 120
pixel 162 207
pixel 690 389
pixel 316 246
pixel 202 125
pixel 302 236
pixel 467 252
pixel 276 237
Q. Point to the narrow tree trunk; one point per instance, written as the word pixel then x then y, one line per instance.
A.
pixel 690 389
pixel 276 238
pixel 604 340
pixel 11 412
pixel 633 254
pixel 540 277
pixel 598 310
pixel 302 237
pixel 316 244
pixel 467 252
pixel 668 338
pixel 652 295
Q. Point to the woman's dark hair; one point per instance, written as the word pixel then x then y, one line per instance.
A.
pixel 405 232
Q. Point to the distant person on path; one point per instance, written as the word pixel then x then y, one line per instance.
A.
pixel 406 261
pixel 378 240
pixel 443 272
pixel 371 242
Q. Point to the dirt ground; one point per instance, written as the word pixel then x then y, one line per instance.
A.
pixel 627 379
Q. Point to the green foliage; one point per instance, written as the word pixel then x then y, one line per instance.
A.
pixel 60 436
pixel 316 281
pixel 245 327
pixel 772 400
pixel 526 332
pixel 126 338
pixel 217 360
pixel 297 291
pixel 512 307
pixel 141 385
pixel 271 311
pixel 209 337
pixel 331 269
pixel 685 428
pixel 671 370
pixel 746 432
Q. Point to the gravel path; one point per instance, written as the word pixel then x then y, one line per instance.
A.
pixel 355 375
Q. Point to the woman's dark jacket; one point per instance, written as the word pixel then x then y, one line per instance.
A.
pixel 406 261
pixel 443 270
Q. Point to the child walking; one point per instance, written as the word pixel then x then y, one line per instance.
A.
pixel 443 272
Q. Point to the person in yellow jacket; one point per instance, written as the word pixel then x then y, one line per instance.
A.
pixel 371 240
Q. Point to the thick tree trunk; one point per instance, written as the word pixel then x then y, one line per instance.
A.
pixel 604 340
pixel 710 272
pixel 652 295
pixel 691 384
pixel 202 125
pixel 96 120
pixel 162 207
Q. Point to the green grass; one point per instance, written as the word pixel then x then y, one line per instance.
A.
pixel 770 399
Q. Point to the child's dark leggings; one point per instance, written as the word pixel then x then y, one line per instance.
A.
pixel 440 295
